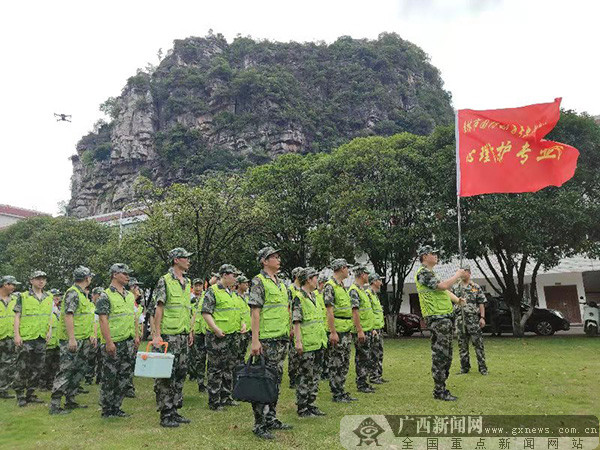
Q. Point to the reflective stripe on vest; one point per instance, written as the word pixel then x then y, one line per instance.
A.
pixel 323 308
pixel 342 308
pixel 432 301
pixel 35 316
pixel 379 321
pixel 274 315
pixel 227 312
pixel 53 324
pixel 244 310
pixel 200 325
pixel 83 317
pixel 311 328
pixel 365 311
pixel 177 309
pixel 7 318
pixel 121 320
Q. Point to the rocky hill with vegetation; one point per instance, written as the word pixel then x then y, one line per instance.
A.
pixel 212 105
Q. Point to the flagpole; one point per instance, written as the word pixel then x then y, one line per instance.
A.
pixel 458 214
pixel 460 249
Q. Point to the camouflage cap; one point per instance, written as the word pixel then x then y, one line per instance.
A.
pixel 81 273
pixel 265 252
pixel 323 278
pixel 55 292
pixel 8 279
pixel 426 249
pixel 227 268
pixel 179 252
pixel 242 279
pixel 465 266
pixel 215 275
pixel 360 269
pixel 296 271
pixel 338 264
pixel 97 290
pixel 134 282
pixel 374 277
pixel 197 281
pixel 38 274
pixel 306 274
pixel 120 268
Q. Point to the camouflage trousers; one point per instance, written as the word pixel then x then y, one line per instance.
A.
pixel 441 350
pixel 86 348
pixel 245 339
pixel 292 363
pixel 338 363
pixel 377 356
pixel 130 389
pixel 363 359
pixel 94 365
pixel 169 391
pixel 51 366
pixel 197 363
pixel 274 352
pixel 7 364
pixel 115 375
pixel 70 373
pixel 307 381
pixel 29 367
pixel 471 333
pixel 222 354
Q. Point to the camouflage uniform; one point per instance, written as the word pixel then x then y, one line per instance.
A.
pixel 7 351
pixel 441 327
pixel 29 364
pixel 309 364
pixel 292 354
pixel 94 366
pixel 338 356
pixel 376 351
pixel 274 351
pixel 7 365
pixel 52 359
pixel 197 364
pixel 51 365
pixel 362 354
pixel 474 296
pixel 116 369
pixel 73 365
pixel 222 355
pixel 169 391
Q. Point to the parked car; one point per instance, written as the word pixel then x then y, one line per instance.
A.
pixel 544 322
pixel 407 324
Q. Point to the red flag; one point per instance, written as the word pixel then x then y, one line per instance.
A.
pixel 503 150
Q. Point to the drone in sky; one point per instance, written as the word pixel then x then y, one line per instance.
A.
pixel 62 117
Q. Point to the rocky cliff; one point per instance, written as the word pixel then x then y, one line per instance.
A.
pixel 214 105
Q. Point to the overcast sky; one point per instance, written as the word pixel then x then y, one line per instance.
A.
pixel 69 56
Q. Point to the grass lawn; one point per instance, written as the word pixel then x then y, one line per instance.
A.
pixel 535 375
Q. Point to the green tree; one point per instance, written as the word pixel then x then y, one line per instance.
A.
pixel 212 220
pixel 287 188
pixel 56 246
pixel 504 233
pixel 380 203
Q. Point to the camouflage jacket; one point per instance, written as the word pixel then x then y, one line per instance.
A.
pixel 472 293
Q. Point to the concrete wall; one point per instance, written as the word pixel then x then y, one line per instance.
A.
pixel 5 221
